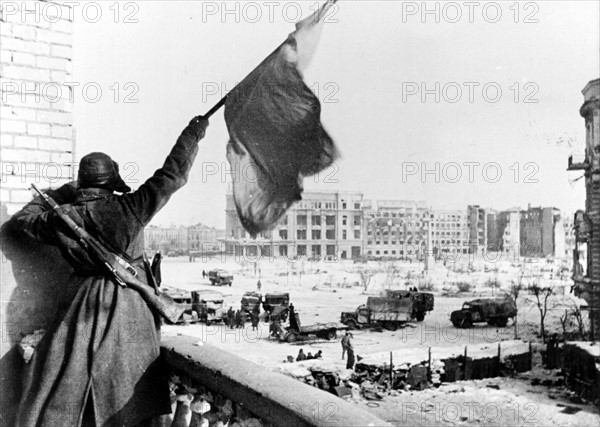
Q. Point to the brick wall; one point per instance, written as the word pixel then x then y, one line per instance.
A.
pixel 36 146
pixel 37 137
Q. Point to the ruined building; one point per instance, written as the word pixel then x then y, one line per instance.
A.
pixel 586 256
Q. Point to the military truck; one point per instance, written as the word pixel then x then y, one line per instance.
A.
pixel 209 306
pixel 494 311
pixel 422 301
pixel 389 313
pixel 201 306
pixel 220 277
pixel 249 302
pixel 276 306
pixel 297 332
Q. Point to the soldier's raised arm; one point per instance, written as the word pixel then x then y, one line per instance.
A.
pixel 156 191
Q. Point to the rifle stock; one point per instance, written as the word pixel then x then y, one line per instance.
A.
pixel 118 268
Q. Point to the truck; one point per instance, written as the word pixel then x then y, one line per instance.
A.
pixel 250 300
pixel 296 332
pixel 209 306
pixel 422 301
pixel 386 312
pixel 220 277
pixel 276 306
pixel 201 306
pixel 494 311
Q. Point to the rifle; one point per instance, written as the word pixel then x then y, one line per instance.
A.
pixel 120 270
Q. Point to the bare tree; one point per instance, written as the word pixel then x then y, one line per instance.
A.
pixel 492 283
pixel 565 321
pixel 391 273
pixel 542 294
pixel 578 316
pixel 515 289
pixel 365 278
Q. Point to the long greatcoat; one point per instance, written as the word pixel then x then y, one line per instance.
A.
pixel 105 345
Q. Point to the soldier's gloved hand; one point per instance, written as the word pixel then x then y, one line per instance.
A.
pixel 198 126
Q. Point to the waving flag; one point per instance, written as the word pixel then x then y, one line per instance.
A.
pixel 276 136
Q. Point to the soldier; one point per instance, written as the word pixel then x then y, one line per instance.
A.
pixel 301 356
pixel 104 378
pixel 350 350
pixel 230 318
pixel 345 341
pixel 239 321
pixel 254 318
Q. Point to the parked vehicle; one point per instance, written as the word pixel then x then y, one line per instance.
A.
pixel 389 313
pixel 276 306
pixel 494 311
pixel 249 301
pixel 220 277
pixel 297 332
pixel 422 301
pixel 202 306
pixel 209 306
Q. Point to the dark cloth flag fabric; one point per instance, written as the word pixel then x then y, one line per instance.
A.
pixel 275 130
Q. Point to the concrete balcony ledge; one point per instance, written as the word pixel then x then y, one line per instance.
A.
pixel 274 398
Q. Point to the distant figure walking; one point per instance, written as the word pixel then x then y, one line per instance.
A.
pixel 258 285
pixel 301 356
pixel 345 341
pixel 203 274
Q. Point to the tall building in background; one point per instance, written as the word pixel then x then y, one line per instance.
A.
pixel 586 256
pixel 538 228
pixel 171 240
pixel 510 223
pixel 395 229
pixel 492 233
pixel 478 233
pixel 202 238
pixel 449 232
pixel 322 225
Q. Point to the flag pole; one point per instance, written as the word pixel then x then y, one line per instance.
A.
pixel 216 107
pixel 219 104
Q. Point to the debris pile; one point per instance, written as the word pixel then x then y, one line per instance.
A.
pixel 377 380
pixel 193 405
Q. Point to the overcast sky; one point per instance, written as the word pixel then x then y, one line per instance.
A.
pixel 508 95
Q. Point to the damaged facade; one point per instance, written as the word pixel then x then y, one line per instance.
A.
pixel 586 256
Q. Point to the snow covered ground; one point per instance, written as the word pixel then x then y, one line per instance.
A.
pixel 321 291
